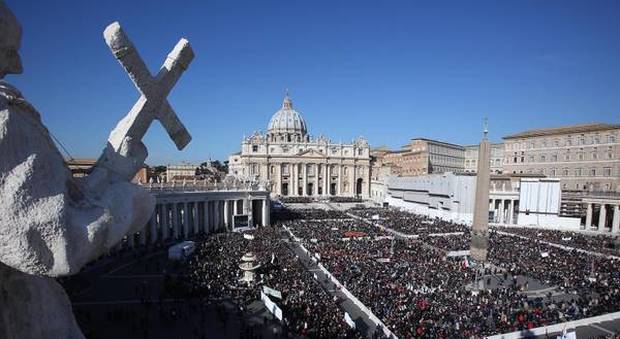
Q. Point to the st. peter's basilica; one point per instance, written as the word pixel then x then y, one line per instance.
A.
pixel 295 164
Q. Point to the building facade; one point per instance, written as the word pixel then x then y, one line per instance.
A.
pixel 584 157
pixel 178 173
pixel 496 161
pixel 439 156
pixel 518 199
pixel 423 156
pixel 292 163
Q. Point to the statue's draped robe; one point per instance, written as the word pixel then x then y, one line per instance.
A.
pixel 50 223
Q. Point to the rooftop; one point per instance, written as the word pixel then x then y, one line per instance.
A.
pixel 582 128
pixel 435 142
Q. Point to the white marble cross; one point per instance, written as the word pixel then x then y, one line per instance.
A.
pixel 154 90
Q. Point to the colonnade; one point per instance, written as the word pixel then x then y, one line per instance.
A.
pixel 184 215
pixel 316 179
pixel 505 210
pixel 604 210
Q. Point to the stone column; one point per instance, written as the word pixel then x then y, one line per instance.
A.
pixel 185 208
pixel 292 182
pixel 175 221
pixel 316 180
pixel 615 225
pixel 512 211
pixel 304 175
pixel 153 225
pixel 352 183
pixel 205 217
pixel 163 220
pixel 217 215
pixel 326 179
pixel 278 182
pixel 196 214
pixel 480 227
pixel 589 216
pixel 266 216
pixel 602 218
pixel 226 215
pixel 339 188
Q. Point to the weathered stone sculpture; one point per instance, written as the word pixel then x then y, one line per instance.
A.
pixel 52 224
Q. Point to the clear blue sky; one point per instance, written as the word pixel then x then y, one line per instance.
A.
pixel 388 70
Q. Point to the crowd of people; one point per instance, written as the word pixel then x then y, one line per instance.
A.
pixel 418 292
pixel 600 243
pixel 308 214
pixel 308 310
pixel 406 222
pixel 409 283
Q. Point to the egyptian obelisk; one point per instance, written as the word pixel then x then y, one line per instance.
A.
pixel 480 227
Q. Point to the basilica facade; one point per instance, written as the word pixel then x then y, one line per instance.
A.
pixel 294 164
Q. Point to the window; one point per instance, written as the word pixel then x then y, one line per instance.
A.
pixel 531 158
pixel 565 172
pixel 607 171
pixel 594 156
pixel 593 172
pixel 552 173
pixel 554 158
pixel 577 172
pixel 285 169
pixel 569 142
pixel 543 158
pixel 611 139
pixel 255 148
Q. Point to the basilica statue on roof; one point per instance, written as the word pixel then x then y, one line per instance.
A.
pixel 294 164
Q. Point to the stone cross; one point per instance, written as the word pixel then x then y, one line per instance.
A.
pixel 152 104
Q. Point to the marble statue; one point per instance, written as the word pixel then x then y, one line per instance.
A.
pixel 52 224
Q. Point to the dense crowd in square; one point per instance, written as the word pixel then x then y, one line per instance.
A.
pixel 213 274
pixel 599 243
pixel 418 292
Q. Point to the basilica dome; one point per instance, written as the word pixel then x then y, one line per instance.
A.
pixel 287 124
